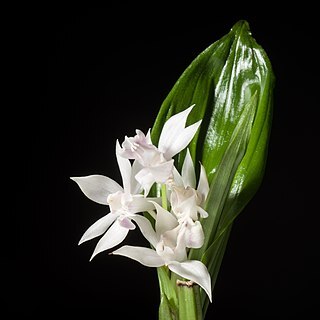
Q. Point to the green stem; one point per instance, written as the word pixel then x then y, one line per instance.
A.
pixel 164 196
pixel 190 307
pixel 180 299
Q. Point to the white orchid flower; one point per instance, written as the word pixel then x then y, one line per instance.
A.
pixel 184 197
pixel 124 203
pixel 169 250
pixel 186 202
pixel 156 163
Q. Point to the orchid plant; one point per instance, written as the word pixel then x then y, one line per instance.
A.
pixel 186 180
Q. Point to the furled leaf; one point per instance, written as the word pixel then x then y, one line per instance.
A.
pixel 231 84
pixel 168 297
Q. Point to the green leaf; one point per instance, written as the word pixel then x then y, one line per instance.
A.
pixel 215 253
pixel 168 308
pixel 220 81
pixel 231 84
pixel 211 253
pixel 221 184
pixel 165 309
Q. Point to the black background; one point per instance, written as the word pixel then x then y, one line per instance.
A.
pixel 82 79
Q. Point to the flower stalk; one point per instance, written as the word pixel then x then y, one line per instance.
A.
pixel 164 197
pixel 189 300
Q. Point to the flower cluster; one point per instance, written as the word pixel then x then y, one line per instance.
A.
pixel 176 211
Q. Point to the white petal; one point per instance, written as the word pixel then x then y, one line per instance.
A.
pixel 188 173
pixel 146 229
pixel 195 271
pixel 165 221
pixel 146 180
pixel 148 137
pixel 98 228
pixel 127 150
pixel 165 252
pixel 125 169
pixel 177 177
pixel 135 185
pixel 203 213
pixel 170 237
pixel 141 204
pixel 126 223
pixel 172 128
pixel 162 172
pixel 203 184
pixel 180 251
pixel 97 187
pixel 145 256
pixel 180 142
pixel 183 203
pixel 194 235
pixel 115 235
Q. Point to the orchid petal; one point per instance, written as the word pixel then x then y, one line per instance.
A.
pixel 177 177
pixel 98 228
pixel 141 204
pixel 170 237
pixel 115 235
pixel 203 184
pixel 172 128
pixel 146 229
pixel 146 180
pixel 183 202
pixel 162 172
pixel 165 251
pixel 203 213
pixel 194 235
pixel 97 187
pixel 145 256
pixel 181 141
pixel 180 251
pixel 172 245
pixel 135 185
pixel 139 148
pixel 195 271
pixel 127 151
pixel 188 173
pixel 126 223
pixel 125 169
pixel 165 220
pixel 148 137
